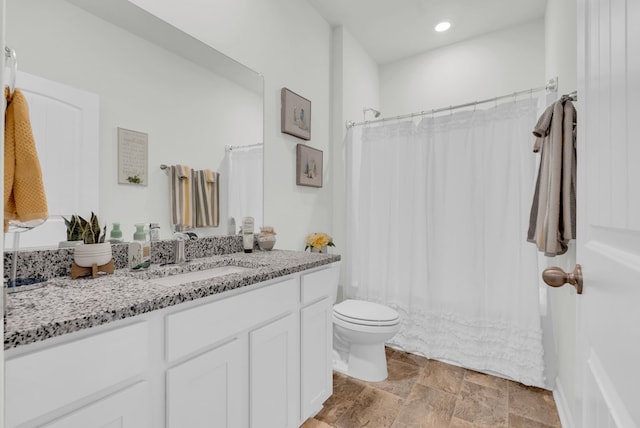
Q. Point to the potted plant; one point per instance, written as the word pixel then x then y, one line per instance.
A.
pixel 93 250
pixel 74 232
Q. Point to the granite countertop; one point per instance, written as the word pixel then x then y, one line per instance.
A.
pixel 64 305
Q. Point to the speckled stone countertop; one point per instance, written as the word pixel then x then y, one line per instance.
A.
pixel 64 305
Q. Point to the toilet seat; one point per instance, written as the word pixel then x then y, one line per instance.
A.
pixel 365 313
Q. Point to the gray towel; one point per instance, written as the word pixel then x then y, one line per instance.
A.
pixel 180 199
pixel 206 185
pixel 552 222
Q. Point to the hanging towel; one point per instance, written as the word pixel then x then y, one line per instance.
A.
pixel 180 196
pixel 552 222
pixel 207 198
pixel 24 197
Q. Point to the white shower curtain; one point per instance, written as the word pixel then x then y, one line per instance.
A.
pixel 438 215
pixel 245 184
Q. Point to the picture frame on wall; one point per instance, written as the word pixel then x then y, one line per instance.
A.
pixel 133 157
pixel 295 114
pixel 308 166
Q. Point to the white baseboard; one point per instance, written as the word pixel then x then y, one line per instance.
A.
pixel 564 410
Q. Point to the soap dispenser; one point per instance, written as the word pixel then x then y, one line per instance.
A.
pixel 116 234
pixel 247 234
pixel 140 248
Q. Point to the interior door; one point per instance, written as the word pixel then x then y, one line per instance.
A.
pixel 608 313
pixel 65 125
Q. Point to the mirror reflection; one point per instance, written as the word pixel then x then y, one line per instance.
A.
pixel 111 65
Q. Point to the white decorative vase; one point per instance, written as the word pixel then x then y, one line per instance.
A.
pixel 322 250
pixel 86 255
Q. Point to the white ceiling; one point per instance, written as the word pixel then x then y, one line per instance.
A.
pixel 390 30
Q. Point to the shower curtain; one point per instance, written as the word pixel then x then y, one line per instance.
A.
pixel 437 218
pixel 244 166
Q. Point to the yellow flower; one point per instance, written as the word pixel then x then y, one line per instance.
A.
pixel 318 240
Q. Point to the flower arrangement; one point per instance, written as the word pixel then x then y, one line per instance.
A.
pixel 318 240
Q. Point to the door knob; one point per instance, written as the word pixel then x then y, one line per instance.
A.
pixel 556 277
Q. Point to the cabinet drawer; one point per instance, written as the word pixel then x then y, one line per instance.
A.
pixel 49 379
pixel 322 283
pixel 130 408
pixel 196 328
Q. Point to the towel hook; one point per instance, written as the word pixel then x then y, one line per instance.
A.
pixel 10 54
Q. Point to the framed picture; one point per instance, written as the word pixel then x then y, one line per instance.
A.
pixel 295 115
pixel 308 166
pixel 133 157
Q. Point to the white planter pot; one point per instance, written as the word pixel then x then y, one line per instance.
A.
pixel 86 255
pixel 69 244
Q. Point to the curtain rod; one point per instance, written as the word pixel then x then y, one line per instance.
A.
pixel 551 86
pixel 230 148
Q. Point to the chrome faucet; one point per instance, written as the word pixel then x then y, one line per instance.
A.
pixel 178 244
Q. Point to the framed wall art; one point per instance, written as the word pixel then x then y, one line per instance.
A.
pixel 295 114
pixel 308 166
pixel 132 157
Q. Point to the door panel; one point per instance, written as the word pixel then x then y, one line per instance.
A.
pixel 608 247
pixel 65 126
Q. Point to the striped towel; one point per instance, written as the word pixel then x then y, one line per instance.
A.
pixel 206 184
pixel 180 196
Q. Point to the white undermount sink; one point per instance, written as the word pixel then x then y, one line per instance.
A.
pixel 200 275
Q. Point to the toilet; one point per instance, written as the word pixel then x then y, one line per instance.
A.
pixel 360 330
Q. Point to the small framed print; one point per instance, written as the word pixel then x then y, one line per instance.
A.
pixel 308 166
pixel 132 157
pixel 295 114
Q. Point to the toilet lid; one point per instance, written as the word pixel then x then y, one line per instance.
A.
pixel 366 313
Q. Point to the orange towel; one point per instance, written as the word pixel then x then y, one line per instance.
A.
pixel 24 197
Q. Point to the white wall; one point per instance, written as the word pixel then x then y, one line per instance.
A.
pixel 355 84
pixel 495 64
pixel 189 112
pixel 561 60
pixel 290 44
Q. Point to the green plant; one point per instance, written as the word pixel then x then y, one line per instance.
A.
pixel 74 228
pixel 87 231
pixel 134 179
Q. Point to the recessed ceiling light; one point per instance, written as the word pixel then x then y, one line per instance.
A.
pixel 443 26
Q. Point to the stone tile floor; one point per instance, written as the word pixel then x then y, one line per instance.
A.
pixel 423 393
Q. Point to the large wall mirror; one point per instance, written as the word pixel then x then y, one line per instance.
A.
pixel 197 107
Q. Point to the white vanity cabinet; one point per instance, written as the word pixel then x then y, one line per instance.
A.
pixel 316 326
pixel 274 352
pixel 209 390
pixel 84 379
pixel 129 408
pixel 259 356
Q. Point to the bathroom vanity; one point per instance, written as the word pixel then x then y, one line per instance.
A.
pixel 248 347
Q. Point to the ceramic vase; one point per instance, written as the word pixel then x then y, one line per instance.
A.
pixel 86 255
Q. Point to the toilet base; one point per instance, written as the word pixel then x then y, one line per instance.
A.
pixel 366 362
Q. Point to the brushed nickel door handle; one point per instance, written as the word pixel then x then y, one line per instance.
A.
pixel 556 277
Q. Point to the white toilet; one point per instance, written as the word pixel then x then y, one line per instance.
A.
pixel 360 330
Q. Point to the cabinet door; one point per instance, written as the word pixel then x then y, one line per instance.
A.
pixel 316 367
pixel 274 374
pixel 129 408
pixel 209 390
